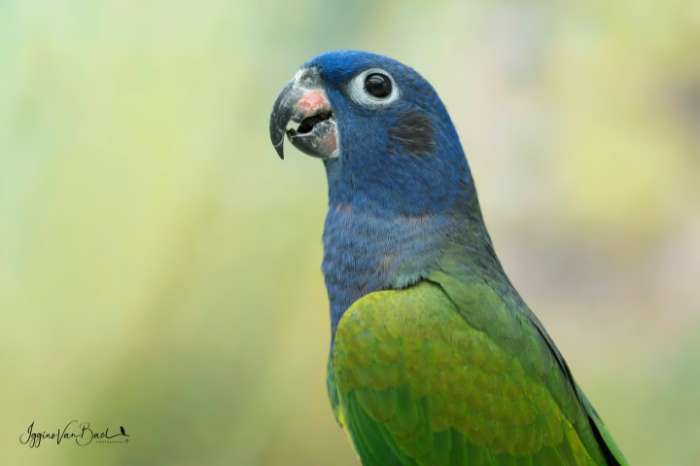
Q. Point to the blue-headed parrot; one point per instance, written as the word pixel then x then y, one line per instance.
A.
pixel 435 359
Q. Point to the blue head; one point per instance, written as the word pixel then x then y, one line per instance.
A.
pixel 398 179
pixel 383 132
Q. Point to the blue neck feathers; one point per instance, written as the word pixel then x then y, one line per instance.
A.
pixel 370 244
pixel 365 251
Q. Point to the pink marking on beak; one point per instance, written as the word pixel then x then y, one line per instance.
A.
pixel 313 101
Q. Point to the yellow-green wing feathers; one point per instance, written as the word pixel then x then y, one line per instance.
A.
pixel 511 324
pixel 416 384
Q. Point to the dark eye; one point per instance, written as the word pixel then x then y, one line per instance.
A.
pixel 378 85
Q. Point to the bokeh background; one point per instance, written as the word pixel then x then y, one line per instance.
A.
pixel 159 266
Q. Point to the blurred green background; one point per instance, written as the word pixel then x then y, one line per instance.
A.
pixel 159 266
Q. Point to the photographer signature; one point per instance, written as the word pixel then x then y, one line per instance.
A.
pixel 81 433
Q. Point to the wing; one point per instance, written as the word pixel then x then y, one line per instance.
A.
pixel 416 383
pixel 511 324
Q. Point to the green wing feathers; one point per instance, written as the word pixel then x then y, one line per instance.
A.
pixel 511 324
pixel 414 382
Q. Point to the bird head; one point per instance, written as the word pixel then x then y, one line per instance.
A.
pixel 381 130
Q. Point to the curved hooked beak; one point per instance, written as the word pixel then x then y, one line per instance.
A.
pixel 304 103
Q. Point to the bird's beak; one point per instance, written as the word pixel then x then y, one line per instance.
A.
pixel 303 101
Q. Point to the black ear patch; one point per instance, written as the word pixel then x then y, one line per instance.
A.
pixel 412 133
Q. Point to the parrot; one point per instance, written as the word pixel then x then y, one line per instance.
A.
pixel 435 359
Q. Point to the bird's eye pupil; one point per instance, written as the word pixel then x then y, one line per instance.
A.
pixel 378 85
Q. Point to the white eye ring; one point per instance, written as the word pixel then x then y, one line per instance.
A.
pixel 359 94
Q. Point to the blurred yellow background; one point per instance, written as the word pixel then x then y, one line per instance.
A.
pixel 159 266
